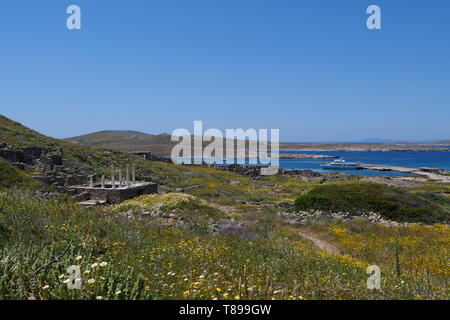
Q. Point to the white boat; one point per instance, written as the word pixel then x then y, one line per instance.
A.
pixel 340 164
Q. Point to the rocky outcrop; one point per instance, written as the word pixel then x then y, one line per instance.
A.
pixel 433 170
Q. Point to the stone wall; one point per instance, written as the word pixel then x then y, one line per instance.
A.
pixel 26 155
pixel 118 195
pixel 62 180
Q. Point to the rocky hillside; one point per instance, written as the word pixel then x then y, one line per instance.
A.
pixel 15 134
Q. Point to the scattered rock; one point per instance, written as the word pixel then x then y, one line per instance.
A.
pixel 285 205
pixel 320 217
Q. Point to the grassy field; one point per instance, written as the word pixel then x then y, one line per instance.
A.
pixel 416 256
pixel 138 258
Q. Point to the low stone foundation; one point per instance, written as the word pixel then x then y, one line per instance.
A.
pixel 116 195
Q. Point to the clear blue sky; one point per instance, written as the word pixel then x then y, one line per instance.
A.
pixel 308 67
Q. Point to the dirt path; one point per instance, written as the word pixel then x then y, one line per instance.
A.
pixel 319 241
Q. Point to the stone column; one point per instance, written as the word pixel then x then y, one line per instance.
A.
pixel 128 174
pixel 120 177
pixel 113 178
pixel 91 181
pixel 133 174
pixel 103 181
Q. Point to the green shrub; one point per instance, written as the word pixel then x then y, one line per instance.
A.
pixel 169 203
pixel 12 176
pixel 364 197
pixel 4 232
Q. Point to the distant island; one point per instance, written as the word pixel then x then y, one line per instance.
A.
pixel 161 144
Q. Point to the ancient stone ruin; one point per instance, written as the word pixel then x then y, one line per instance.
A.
pixel 47 165
pixel 113 190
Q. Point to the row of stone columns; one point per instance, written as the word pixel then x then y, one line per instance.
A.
pixel 122 182
pixel 126 181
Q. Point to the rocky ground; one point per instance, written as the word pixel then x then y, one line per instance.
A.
pixel 319 217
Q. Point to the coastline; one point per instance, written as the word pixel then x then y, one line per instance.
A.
pixel 431 173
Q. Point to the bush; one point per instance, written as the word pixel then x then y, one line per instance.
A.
pixel 364 197
pixel 169 203
pixel 12 176
pixel 4 232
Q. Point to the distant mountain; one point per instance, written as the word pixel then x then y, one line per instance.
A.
pixel 96 138
pixel 129 133
pixel 392 141
pixel 436 143
pixel 377 140
pixel 130 141
pixel 127 140
pixel 446 142
pixel 404 141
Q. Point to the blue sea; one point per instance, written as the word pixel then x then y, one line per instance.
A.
pixel 407 159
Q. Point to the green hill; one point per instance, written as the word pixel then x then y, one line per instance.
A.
pixel 14 133
pixel 110 137
pixel 126 140
pixel 131 141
